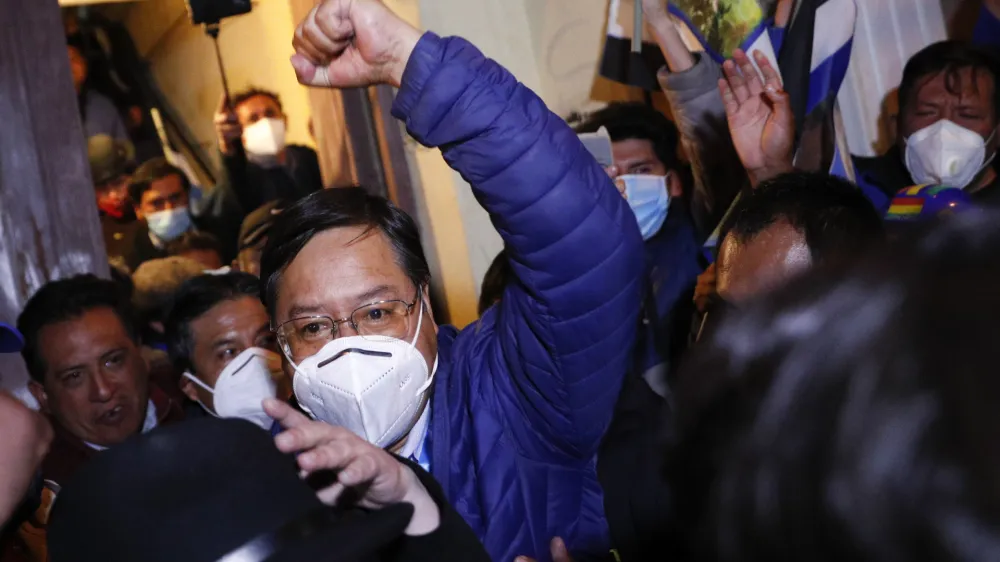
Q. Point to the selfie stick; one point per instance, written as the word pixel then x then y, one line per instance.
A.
pixel 212 30
pixel 637 28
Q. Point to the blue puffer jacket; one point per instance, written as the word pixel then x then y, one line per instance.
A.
pixel 523 396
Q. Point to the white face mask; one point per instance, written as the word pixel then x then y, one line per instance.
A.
pixel 946 153
pixel 373 387
pixel 243 384
pixel 264 140
pixel 648 198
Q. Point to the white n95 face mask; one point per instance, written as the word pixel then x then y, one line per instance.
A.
pixel 372 386
pixel 648 198
pixel 243 384
pixel 264 140
pixel 945 153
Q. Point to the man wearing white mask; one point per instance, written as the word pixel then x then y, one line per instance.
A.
pixel 948 114
pixel 508 413
pixel 647 172
pixel 219 336
pixel 259 163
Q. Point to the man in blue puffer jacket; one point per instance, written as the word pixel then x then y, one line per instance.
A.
pixel 507 414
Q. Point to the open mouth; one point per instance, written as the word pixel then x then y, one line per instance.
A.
pixel 113 416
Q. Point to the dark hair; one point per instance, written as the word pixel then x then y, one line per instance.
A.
pixel 835 217
pixel 950 58
pixel 152 170
pixel 337 208
pixel 253 92
pixel 193 241
pixel 194 298
pixel 68 299
pixel 852 415
pixel 497 277
pixel 633 120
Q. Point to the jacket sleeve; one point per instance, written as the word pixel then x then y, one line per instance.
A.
pixel 554 358
pixel 701 121
pixel 987 30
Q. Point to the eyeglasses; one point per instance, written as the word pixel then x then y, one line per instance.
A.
pixel 305 336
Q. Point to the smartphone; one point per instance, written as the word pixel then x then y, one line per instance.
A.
pixel 599 146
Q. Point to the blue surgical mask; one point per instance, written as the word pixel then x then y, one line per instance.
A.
pixel 170 224
pixel 648 198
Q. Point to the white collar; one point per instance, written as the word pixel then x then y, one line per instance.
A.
pixel 147 425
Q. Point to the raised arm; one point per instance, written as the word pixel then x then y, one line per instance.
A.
pixel 689 82
pixel 564 335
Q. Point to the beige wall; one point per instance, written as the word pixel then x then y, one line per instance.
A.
pixel 255 49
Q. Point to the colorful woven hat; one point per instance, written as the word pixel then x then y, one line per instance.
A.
pixel 925 201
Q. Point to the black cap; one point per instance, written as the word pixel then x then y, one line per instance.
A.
pixel 109 158
pixel 202 490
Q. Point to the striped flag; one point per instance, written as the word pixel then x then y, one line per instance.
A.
pixel 813 63
pixel 618 62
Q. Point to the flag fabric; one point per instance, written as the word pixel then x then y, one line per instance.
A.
pixel 714 27
pixel 813 61
pixel 618 62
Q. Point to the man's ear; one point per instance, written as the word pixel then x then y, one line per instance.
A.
pixel 138 212
pixel 425 296
pixel 674 186
pixel 189 389
pixel 38 391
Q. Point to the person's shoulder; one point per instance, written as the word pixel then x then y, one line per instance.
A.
pixel 302 151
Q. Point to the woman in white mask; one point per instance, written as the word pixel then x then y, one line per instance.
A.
pixel 219 337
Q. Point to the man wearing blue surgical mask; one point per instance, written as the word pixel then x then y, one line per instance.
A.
pixel 948 115
pixel 648 172
pixel 160 194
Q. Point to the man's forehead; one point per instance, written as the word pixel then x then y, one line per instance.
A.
pixel 258 102
pixel 243 313
pixel 966 83
pixel 80 334
pixel 339 268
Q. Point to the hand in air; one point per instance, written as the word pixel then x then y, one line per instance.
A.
pixel 352 43
pixel 227 126
pixel 760 116
pixel 373 475
pixel 705 289
pixel 558 550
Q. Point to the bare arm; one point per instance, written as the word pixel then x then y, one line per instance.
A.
pixel 24 443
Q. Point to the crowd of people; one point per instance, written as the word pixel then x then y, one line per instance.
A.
pixel 263 378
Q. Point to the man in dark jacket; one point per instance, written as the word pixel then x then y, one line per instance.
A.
pixel 259 165
pixel 949 110
pixel 644 149
pixel 521 399
pixel 111 166
pixel 82 351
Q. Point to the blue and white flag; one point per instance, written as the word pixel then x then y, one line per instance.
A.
pixel 813 60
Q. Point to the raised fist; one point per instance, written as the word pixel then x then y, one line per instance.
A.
pixel 352 43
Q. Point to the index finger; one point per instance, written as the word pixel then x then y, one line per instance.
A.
pixel 284 413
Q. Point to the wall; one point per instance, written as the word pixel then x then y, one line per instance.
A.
pixel 255 49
